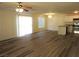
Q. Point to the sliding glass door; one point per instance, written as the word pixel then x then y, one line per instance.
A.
pixel 24 25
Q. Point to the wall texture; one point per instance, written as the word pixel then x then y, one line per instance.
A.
pixel 8 24
pixel 71 16
pixel 56 20
pixel 60 20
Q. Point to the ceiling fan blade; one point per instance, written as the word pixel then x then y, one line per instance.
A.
pixel 26 10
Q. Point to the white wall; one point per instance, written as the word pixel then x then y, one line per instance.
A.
pixel 70 17
pixel 60 20
pixel 7 24
pixel 55 21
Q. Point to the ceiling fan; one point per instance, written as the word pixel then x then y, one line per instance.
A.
pixel 21 8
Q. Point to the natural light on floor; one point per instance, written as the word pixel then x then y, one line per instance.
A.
pixel 24 25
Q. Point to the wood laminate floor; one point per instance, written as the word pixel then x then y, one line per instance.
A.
pixel 41 44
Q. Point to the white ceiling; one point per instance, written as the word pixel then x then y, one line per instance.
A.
pixel 60 7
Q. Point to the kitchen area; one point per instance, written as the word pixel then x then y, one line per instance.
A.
pixel 69 27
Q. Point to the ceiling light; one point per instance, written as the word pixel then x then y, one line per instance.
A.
pixel 49 16
pixel 49 13
pixel 76 12
pixel 19 8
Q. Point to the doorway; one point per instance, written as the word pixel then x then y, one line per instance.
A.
pixel 24 25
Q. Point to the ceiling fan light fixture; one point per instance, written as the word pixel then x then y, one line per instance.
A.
pixel 19 8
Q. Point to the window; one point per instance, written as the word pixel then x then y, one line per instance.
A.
pixel 41 22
